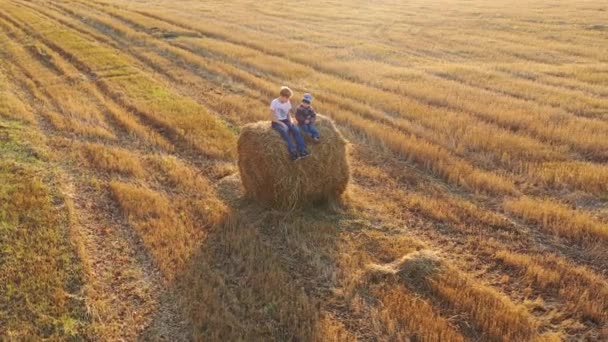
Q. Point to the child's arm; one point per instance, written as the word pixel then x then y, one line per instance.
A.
pixel 291 115
pixel 300 115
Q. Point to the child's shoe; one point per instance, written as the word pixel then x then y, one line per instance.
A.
pixel 316 140
pixel 294 156
pixel 304 154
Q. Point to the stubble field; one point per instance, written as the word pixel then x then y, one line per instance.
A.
pixel 477 209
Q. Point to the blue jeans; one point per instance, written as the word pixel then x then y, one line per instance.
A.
pixel 284 131
pixel 310 129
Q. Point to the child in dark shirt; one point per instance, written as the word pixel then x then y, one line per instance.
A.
pixel 306 117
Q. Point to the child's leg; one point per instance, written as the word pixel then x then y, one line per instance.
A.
pixel 311 130
pixel 299 139
pixel 284 131
pixel 314 132
pixel 304 128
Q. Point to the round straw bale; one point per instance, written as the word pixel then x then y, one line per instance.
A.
pixel 272 178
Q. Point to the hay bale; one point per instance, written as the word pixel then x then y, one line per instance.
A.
pixel 272 178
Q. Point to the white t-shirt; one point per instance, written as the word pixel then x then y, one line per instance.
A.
pixel 281 110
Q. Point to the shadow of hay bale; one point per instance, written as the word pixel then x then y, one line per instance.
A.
pixel 415 269
pixel 259 275
pixel 271 178
pixel 230 189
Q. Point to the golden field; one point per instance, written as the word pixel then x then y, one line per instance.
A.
pixel 478 203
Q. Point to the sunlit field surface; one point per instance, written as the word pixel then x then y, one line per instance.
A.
pixel 478 203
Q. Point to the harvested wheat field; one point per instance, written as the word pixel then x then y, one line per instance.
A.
pixel 467 171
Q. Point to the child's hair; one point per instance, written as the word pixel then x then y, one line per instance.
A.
pixel 285 91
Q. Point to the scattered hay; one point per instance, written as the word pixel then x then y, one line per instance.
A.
pixel 415 268
pixel 272 178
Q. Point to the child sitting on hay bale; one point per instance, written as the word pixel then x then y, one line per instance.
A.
pixel 306 117
pixel 282 122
